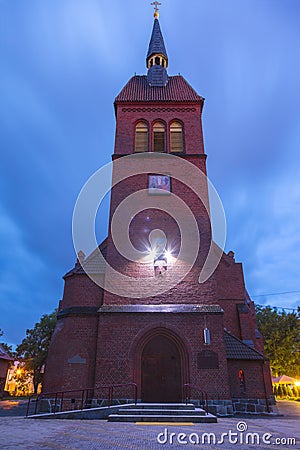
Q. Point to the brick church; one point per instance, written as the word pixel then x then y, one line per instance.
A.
pixel 182 332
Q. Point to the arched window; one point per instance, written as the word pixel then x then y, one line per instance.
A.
pixel 141 137
pixel 241 377
pixel 176 138
pixel 159 137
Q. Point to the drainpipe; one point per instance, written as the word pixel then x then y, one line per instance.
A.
pixel 265 389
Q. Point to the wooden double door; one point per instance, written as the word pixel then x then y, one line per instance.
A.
pixel 161 371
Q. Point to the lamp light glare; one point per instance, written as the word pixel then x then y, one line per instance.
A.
pixel 152 253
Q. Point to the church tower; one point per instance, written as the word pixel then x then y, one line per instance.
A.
pixel 141 313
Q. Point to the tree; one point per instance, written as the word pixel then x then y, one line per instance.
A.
pixel 284 390
pixel 33 350
pixel 295 391
pixel 7 348
pixel 279 391
pixel 22 380
pixel 289 391
pixel 281 332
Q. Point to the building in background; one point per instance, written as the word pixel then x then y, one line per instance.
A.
pixel 5 362
pixel 19 381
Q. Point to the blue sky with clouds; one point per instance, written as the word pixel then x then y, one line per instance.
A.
pixel 62 62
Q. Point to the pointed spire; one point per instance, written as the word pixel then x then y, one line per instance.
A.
pixel 157 45
pixel 157 58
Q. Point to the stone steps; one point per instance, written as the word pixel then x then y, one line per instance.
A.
pixel 161 412
pixel 150 406
pixel 151 412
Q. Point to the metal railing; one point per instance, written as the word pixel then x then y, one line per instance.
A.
pixel 57 400
pixel 188 388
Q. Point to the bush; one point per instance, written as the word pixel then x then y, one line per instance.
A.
pixel 284 390
pixel 295 391
pixel 289 391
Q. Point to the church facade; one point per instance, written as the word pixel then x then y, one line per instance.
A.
pixel 200 335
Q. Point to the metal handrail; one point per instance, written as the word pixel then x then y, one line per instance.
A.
pixel 204 398
pixel 84 394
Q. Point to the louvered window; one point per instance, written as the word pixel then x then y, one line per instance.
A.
pixel 141 137
pixel 176 138
pixel 159 137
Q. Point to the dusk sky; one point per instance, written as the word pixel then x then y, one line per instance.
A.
pixel 62 63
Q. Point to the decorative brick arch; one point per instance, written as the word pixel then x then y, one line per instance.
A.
pixel 143 338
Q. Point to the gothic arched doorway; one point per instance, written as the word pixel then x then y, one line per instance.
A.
pixel 161 371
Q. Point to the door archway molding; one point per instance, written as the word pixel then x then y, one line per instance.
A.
pixel 144 337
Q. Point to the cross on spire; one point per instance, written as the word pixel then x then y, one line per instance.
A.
pixel 156 4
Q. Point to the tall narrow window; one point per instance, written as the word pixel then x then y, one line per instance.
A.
pixel 141 137
pixel 159 137
pixel 241 377
pixel 176 138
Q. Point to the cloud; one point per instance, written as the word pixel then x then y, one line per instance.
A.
pixel 62 63
pixel 265 232
pixel 21 293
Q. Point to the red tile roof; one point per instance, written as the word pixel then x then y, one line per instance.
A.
pixel 177 89
pixel 237 349
pixel 92 264
pixel 4 354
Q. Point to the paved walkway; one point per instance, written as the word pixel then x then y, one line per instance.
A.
pixel 19 433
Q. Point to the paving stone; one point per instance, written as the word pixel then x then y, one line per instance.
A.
pixel 29 434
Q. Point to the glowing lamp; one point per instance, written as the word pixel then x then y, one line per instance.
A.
pixel 206 334
pixel 152 253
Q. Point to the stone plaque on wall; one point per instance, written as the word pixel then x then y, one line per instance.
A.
pixel 207 359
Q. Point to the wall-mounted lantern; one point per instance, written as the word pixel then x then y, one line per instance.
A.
pixel 206 335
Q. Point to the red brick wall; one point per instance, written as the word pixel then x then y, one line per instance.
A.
pixel 232 297
pixel 3 368
pixel 118 348
pixel 73 335
pixel 129 114
pixel 268 379
pixel 230 280
pixel 142 224
pixel 253 379
pixel 110 343
pixel 80 290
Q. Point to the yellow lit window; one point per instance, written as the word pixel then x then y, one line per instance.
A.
pixel 141 137
pixel 159 137
pixel 176 138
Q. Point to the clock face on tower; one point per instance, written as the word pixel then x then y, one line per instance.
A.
pixel 159 184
